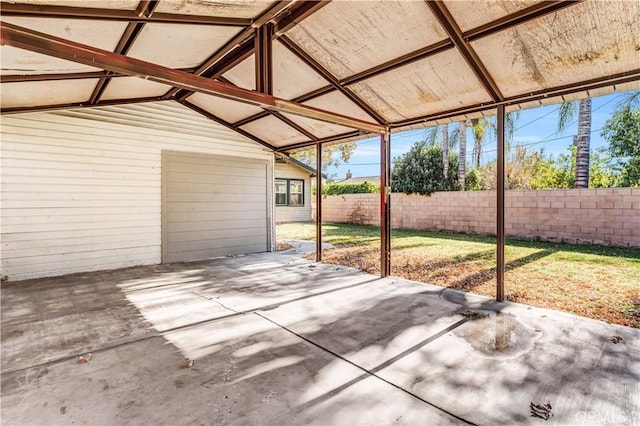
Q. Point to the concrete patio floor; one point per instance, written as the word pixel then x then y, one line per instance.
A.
pixel 279 340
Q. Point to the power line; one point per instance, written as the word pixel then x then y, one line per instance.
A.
pixel 546 138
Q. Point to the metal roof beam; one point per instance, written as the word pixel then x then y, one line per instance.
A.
pixel 78 105
pixel 131 33
pixel 299 14
pixel 293 124
pixel 97 14
pixel 306 97
pixel 328 139
pixel 235 43
pixel 226 124
pixel 401 61
pixel 554 92
pixel 218 69
pixel 24 38
pixel 279 116
pixel 30 78
pixel 490 28
pixel 519 17
pixel 317 67
pixel 455 34
pixel 20 78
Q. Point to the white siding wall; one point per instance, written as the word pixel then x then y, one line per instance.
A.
pixel 288 213
pixel 81 190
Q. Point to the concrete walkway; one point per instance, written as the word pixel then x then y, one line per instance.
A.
pixel 278 340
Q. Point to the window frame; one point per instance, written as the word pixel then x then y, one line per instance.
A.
pixel 288 182
pixel 286 192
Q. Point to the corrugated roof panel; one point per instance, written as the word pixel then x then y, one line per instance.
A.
pixel 347 37
pixel 274 131
pixel 583 42
pixel 46 92
pixel 22 62
pixel 243 75
pixel 291 76
pixel 472 14
pixel 338 102
pixel 439 83
pixel 101 34
pixel 133 87
pixel 603 91
pixel 229 111
pixel 575 96
pixel 319 129
pixel 625 87
pixel 232 9
pixel 104 4
pixel 179 46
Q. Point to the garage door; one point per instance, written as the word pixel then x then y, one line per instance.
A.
pixel 213 206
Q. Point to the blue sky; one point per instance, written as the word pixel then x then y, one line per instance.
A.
pixel 535 128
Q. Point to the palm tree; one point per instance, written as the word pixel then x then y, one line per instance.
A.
pixel 440 135
pixel 445 149
pixel 582 140
pixel 478 127
pixel 462 153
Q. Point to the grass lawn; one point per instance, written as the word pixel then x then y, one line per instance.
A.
pixel 592 281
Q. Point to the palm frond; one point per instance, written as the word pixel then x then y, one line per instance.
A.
pixel 565 115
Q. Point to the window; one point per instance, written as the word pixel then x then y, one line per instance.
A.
pixel 281 192
pixel 296 196
pixel 289 192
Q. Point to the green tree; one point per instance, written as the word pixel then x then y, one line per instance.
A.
pixel 332 155
pixel 622 131
pixel 440 135
pixel 520 170
pixel 526 169
pixel 556 173
pixel 472 182
pixel 420 171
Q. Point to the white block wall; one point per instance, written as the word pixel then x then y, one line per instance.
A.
pixel 81 190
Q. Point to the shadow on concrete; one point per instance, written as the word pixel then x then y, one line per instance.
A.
pixel 278 340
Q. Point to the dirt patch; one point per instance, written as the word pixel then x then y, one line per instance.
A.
pixel 283 246
pixel 537 283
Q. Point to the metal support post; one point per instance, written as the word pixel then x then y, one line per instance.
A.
pixel 385 203
pixel 500 207
pixel 264 59
pixel 319 202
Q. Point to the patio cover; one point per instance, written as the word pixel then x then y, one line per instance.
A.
pixel 290 74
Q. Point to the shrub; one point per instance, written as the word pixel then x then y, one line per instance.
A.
pixel 349 188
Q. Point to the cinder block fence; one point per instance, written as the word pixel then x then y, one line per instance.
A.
pixel 608 216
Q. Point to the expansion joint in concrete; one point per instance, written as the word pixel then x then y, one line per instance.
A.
pixel 373 371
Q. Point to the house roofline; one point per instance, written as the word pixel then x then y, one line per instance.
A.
pixel 300 164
